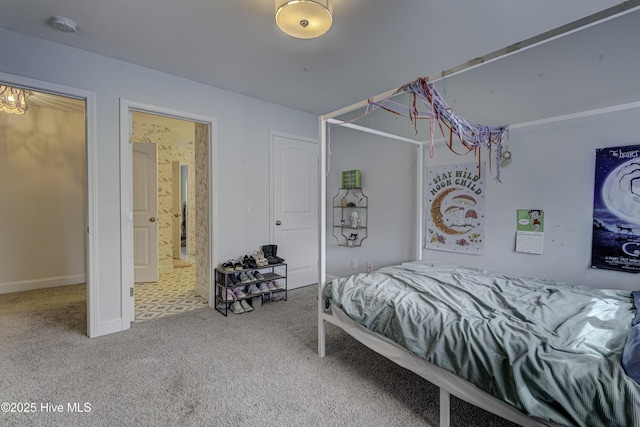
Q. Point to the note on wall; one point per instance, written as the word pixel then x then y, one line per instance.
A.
pixel 530 231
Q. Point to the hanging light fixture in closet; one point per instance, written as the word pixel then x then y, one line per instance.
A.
pixel 304 19
pixel 13 99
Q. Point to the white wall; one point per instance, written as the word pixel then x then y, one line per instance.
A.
pixel 243 132
pixel 42 199
pixel 388 173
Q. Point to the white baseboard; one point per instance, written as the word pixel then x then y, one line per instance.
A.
pixel 49 282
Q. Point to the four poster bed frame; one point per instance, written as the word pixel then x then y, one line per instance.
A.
pixel 448 383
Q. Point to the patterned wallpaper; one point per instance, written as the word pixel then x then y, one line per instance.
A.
pixel 162 137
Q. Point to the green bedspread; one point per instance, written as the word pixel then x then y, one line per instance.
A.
pixel 550 349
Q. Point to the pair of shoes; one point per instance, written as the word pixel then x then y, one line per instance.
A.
pixel 253 290
pixel 261 261
pixel 239 293
pixel 257 275
pixel 236 307
pixel 264 288
pixel 244 278
pixel 272 286
pixel 234 279
pixel 227 266
pixel 270 253
pixel 275 296
pixel 230 296
pixel 251 276
pixel 249 262
pixel 278 285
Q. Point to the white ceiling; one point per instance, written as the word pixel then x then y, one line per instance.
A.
pixel 373 46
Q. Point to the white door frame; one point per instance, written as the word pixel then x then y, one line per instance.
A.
pixel 91 243
pixel 126 193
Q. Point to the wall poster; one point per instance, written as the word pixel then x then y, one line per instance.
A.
pixel 455 200
pixel 616 209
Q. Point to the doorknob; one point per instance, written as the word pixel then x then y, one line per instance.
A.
pixel 152 219
pixel 278 222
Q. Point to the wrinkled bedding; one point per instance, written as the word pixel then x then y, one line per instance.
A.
pixel 549 349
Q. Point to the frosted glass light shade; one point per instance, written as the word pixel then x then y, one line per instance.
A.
pixel 304 19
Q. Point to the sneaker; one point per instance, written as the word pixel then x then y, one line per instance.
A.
pixel 250 276
pixel 278 285
pixel 243 278
pixel 275 296
pixel 258 275
pixel 253 290
pixel 245 305
pixel 236 307
pixel 239 293
pixel 234 279
pixel 272 286
pixel 256 302
pixel 230 296
pixel 264 288
pixel 223 306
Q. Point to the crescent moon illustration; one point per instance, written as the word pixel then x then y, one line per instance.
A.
pixel 436 213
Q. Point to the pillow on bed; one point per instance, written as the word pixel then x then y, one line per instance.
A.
pixel 631 354
pixel 636 302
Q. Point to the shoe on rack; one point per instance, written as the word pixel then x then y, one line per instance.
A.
pixel 236 307
pixel 237 265
pixel 272 286
pixel 264 288
pixel 245 305
pixel 278 285
pixel 250 276
pixel 243 278
pixel 275 296
pixel 253 290
pixel 256 302
pixel 234 279
pixel 260 259
pixel 230 295
pixel 253 262
pixel 246 263
pixel 258 275
pixel 226 266
pixel 239 293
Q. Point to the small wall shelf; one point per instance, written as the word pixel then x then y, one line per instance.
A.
pixel 350 217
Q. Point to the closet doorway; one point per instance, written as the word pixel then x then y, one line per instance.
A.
pixel 182 222
pixel 48 188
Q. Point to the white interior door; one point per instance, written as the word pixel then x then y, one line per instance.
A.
pixel 295 207
pixel 176 216
pixel 145 212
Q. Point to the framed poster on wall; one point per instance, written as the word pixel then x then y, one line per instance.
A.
pixel 616 209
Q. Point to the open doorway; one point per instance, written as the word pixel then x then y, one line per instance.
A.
pixel 46 180
pixel 183 180
pixel 163 205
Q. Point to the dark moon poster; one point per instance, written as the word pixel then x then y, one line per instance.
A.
pixel 616 209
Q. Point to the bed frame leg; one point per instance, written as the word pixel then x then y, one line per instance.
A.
pixel 321 340
pixel 445 399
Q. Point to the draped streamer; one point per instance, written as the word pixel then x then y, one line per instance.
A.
pixel 472 136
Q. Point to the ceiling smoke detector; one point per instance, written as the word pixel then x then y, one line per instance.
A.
pixel 63 24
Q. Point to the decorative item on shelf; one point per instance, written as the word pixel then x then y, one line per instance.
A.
pixel 352 239
pixel 343 202
pixel 355 220
pixel 351 179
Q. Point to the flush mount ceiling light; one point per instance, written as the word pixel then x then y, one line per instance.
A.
pixel 304 19
pixel 13 99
